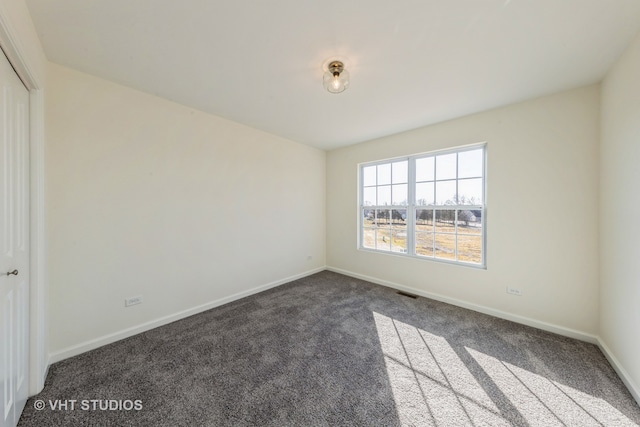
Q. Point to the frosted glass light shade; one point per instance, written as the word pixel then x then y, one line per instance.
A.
pixel 336 78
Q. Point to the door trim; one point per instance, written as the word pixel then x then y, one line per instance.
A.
pixel 38 313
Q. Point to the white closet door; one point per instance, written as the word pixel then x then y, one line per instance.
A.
pixel 14 244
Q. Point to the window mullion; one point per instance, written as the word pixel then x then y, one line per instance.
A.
pixel 455 228
pixel 455 216
pixel 411 207
pixel 361 207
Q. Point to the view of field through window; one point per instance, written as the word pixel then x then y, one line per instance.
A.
pixel 437 214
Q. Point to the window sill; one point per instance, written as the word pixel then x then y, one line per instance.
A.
pixel 422 258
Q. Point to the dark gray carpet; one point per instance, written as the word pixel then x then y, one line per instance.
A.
pixel 332 350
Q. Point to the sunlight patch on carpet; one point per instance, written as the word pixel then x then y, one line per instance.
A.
pixel 430 384
pixel 545 402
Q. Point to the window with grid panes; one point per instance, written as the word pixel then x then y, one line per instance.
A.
pixel 428 206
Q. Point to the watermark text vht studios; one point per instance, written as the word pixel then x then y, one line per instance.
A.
pixel 88 405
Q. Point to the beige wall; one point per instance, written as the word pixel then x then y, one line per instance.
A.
pixel 619 213
pixel 542 212
pixel 147 197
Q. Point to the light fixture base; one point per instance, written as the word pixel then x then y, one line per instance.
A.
pixel 335 67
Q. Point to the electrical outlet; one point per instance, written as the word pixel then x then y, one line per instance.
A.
pixel 128 302
pixel 514 291
pixel 310 257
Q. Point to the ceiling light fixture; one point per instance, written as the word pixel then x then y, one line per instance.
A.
pixel 336 78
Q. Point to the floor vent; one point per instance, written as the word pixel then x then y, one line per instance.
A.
pixel 406 294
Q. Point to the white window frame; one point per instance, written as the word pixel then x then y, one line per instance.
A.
pixel 411 207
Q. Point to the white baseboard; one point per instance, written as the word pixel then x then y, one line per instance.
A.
pixel 560 330
pixel 45 372
pixel 125 333
pixel 622 373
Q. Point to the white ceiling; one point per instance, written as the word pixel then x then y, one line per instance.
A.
pixel 412 62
